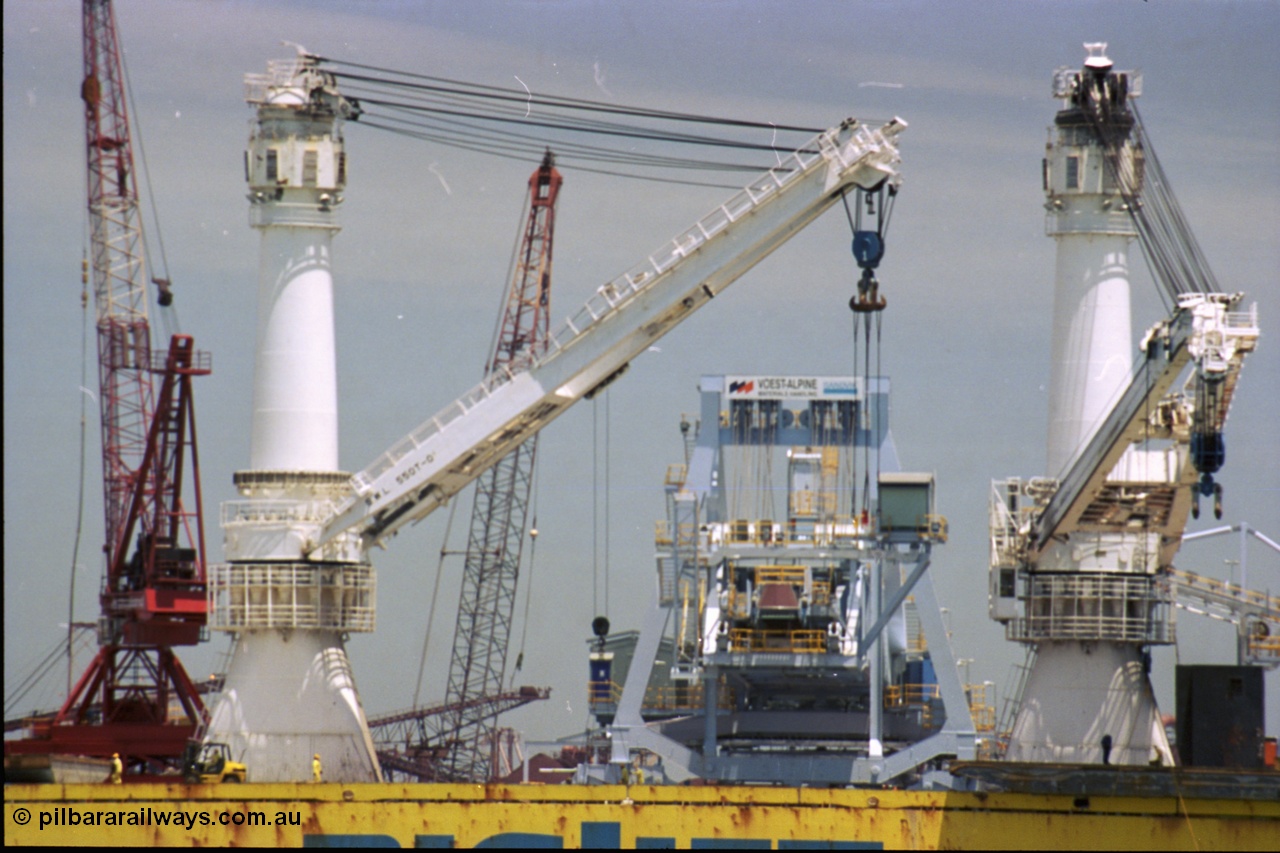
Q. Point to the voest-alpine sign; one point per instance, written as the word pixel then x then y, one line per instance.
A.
pixel 763 387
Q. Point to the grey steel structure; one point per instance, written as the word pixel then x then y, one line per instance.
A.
pixel 784 606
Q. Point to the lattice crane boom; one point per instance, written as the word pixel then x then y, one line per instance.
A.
pixel 500 513
pixel 119 284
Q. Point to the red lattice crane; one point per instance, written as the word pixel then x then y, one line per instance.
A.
pixel 500 514
pixel 135 698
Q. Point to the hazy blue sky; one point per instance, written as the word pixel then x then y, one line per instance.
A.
pixel 421 265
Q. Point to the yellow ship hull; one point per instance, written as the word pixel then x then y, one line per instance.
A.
pixel 570 816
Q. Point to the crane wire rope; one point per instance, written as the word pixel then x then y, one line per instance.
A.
pixel 84 392
pixel 863 341
pixel 608 469
pixel 520 154
pixel 743 470
pixel 872 420
pixel 1177 244
pixel 431 119
pixel 595 506
pixel 490 358
pixel 500 315
pixel 595 503
pixel 505 93
pixel 866 398
pixel 1173 255
pixel 876 412
pixel 438 104
pixel 45 665
pixel 768 509
pixel 528 585
pixel 168 314
pixel 598 129
pixel 866 486
pixel 435 596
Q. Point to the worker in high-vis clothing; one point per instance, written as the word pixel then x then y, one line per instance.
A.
pixel 117 769
pixel 315 767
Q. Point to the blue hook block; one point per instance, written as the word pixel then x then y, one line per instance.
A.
pixel 868 249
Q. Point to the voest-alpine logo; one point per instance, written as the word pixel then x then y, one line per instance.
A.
pixel 745 386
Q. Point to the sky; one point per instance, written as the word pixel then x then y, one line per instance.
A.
pixel 421 264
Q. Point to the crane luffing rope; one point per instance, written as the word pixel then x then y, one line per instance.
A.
pixel 1167 239
pixel 1171 250
pixel 512 123
pixel 460 87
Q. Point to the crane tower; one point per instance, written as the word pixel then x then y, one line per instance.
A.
pixel 1073 700
pixel 1082 560
pixel 289 692
pixel 297 580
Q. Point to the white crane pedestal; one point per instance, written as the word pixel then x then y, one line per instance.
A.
pixel 289 692
pixel 290 695
pixel 1089 703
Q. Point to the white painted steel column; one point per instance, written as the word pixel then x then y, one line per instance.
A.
pixel 289 692
pixel 295 388
pixel 1080 693
pixel 1092 346
pixel 1088 685
pixel 1092 353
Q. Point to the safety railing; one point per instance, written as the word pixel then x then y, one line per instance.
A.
pixel 267 511
pixel 662 534
pixel 1263 648
pixel 280 73
pixel 201 361
pixel 802 642
pixel 1117 608
pixel 684 697
pixel 1014 506
pixel 910 695
pixel 932 527
pixel 1228 594
pixel 252 596
pixel 981 708
pixel 766 533
pixel 793 575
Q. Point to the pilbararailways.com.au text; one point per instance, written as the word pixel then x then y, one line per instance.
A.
pixel 64 816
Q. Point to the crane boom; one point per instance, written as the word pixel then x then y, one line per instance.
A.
pixel 499 516
pixel 1203 331
pixel 119 283
pixel 626 315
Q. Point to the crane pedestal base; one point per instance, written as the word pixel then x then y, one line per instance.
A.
pixel 289 695
pixel 1089 703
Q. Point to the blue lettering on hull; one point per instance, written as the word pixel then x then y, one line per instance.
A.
pixel 599 835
